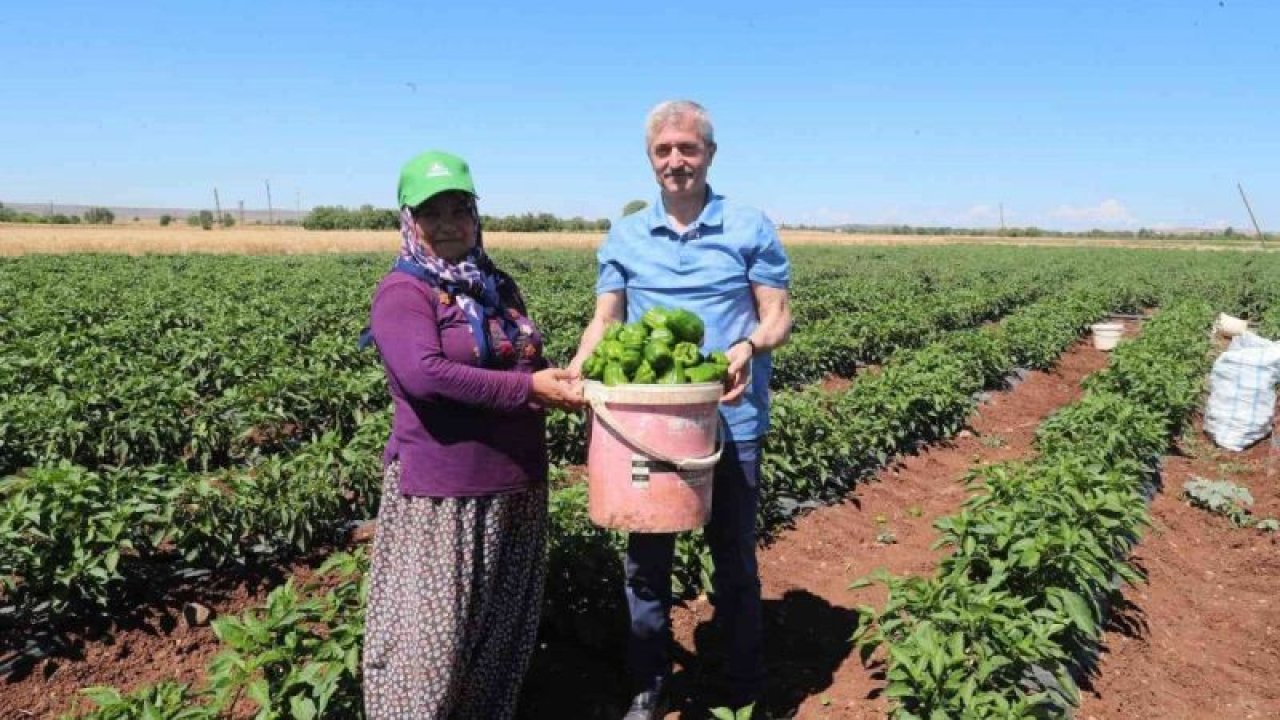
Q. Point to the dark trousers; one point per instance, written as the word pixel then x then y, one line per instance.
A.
pixel 731 535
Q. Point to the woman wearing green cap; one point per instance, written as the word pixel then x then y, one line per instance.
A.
pixel 459 556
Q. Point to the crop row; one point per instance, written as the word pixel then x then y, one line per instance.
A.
pixel 1014 613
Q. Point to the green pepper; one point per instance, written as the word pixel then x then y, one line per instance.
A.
pixel 687 326
pixel 673 376
pixel 612 329
pixel 663 335
pixel 593 367
pixel 611 349
pixel 687 353
pixel 704 373
pixel 644 375
pixel 719 358
pixel 658 355
pixel 656 318
pixel 630 360
pixel 633 335
pixel 614 374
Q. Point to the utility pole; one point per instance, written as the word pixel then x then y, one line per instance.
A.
pixel 217 207
pixel 1261 237
pixel 241 213
pixel 271 218
pixel 1001 217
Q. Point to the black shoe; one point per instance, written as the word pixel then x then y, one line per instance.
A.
pixel 648 705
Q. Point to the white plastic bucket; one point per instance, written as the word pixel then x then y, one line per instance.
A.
pixel 1231 326
pixel 651 454
pixel 1107 335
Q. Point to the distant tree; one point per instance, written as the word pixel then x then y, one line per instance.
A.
pixel 1229 232
pixel 99 216
pixel 367 217
pixel 634 206
pixel 206 219
pixel 7 214
pixel 193 220
pixel 165 220
pixel 228 220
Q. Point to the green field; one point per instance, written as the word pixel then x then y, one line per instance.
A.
pixel 163 415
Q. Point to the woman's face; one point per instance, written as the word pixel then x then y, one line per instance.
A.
pixel 447 224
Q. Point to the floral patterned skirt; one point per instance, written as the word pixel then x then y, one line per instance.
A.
pixel 455 594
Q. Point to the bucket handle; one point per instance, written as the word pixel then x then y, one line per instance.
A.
pixel 691 464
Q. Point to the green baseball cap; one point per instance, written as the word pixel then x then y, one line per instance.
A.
pixel 432 173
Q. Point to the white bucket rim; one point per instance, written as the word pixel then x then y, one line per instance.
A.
pixel 1105 327
pixel 651 394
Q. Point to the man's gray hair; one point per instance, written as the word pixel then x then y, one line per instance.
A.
pixel 669 111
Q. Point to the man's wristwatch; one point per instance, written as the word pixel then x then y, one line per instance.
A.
pixel 747 340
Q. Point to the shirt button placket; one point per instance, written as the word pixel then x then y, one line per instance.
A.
pixel 685 237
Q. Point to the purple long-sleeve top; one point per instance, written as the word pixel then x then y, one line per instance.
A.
pixel 459 429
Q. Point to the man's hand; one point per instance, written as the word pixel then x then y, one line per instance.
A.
pixel 739 372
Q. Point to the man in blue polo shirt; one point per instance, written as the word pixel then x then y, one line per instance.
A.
pixel 696 250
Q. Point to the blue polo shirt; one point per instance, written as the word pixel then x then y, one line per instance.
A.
pixel 708 269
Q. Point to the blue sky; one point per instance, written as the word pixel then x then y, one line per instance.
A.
pixel 1072 114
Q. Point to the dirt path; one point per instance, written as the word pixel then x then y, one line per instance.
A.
pixel 806 573
pixel 1201 639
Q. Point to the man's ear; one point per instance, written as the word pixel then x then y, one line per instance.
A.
pixel 711 152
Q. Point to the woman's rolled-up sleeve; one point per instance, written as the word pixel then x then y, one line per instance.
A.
pixel 407 332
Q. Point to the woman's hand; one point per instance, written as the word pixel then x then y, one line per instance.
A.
pixel 557 387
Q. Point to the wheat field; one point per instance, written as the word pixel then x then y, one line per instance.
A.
pixel 144 239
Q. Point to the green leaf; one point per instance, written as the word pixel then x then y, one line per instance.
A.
pixel 102 695
pixel 302 708
pixel 1079 612
pixel 260 692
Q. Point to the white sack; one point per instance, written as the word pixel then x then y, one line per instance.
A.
pixel 1242 392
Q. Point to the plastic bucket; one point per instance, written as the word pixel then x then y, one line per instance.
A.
pixel 1230 325
pixel 1107 335
pixel 651 453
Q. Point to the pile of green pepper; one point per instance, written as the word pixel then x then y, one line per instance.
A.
pixel 661 348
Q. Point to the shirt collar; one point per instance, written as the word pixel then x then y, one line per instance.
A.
pixel 712 214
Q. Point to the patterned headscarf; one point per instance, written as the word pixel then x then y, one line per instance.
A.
pixel 505 336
